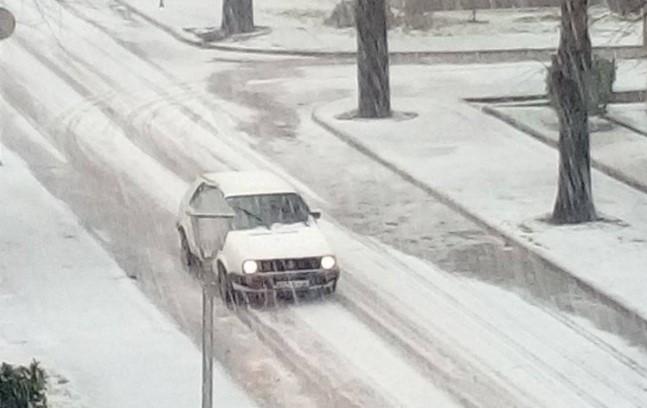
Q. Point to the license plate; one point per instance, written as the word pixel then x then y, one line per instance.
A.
pixel 298 284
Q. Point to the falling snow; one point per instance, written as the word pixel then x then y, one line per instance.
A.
pixel 491 241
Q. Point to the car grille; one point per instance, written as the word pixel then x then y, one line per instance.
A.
pixel 284 265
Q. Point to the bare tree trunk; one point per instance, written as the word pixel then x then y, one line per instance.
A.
pixel 237 16
pixel 644 19
pixel 569 80
pixel 372 59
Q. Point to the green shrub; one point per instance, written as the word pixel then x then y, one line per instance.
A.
pixel 22 387
pixel 600 85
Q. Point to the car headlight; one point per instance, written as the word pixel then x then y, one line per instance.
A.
pixel 250 267
pixel 328 262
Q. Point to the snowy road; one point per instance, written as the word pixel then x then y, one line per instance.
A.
pixel 66 303
pixel 115 123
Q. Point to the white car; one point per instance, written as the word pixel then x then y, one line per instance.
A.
pixel 256 234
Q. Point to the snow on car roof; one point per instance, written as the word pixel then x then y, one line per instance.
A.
pixel 238 183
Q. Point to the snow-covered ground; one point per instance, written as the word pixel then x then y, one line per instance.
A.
pixel 633 114
pixel 66 303
pixel 613 147
pixel 60 392
pixel 509 180
pixel 502 29
pixel 299 25
pixel 132 118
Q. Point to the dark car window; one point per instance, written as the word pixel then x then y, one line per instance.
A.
pixel 268 209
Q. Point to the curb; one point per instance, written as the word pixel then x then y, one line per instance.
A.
pixel 629 96
pixel 616 97
pixel 506 99
pixel 399 57
pixel 608 170
pixel 621 122
pixel 589 289
pixel 258 31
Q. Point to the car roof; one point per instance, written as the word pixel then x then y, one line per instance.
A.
pixel 241 183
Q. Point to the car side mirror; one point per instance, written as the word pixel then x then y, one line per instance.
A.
pixel 316 214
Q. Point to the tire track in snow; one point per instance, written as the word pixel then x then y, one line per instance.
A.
pixel 359 344
pixel 231 138
pixel 34 131
pixel 108 169
pixel 349 399
pixel 114 146
pixel 111 109
pixel 316 359
pixel 420 315
pixel 78 124
pixel 461 373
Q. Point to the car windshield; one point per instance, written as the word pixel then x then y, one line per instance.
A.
pixel 267 209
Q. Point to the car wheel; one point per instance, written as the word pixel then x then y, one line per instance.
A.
pixel 332 289
pixel 187 256
pixel 224 287
pixel 255 300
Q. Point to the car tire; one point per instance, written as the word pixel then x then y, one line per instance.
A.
pixel 224 287
pixel 188 259
pixel 256 300
pixel 331 290
pixel 191 262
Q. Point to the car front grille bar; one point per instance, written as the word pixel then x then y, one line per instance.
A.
pixel 291 264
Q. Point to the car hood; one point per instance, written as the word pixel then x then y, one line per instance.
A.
pixel 288 241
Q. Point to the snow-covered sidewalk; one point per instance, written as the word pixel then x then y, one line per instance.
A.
pixel 508 181
pixel 631 115
pixel 298 26
pixel 616 150
pixel 65 302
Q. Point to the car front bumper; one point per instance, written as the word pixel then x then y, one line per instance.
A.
pixel 289 281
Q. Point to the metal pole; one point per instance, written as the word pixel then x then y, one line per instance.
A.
pixel 207 345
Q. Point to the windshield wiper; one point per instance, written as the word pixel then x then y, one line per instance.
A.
pixel 251 214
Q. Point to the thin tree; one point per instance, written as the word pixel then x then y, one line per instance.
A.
pixel 372 59
pixel 237 16
pixel 569 80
